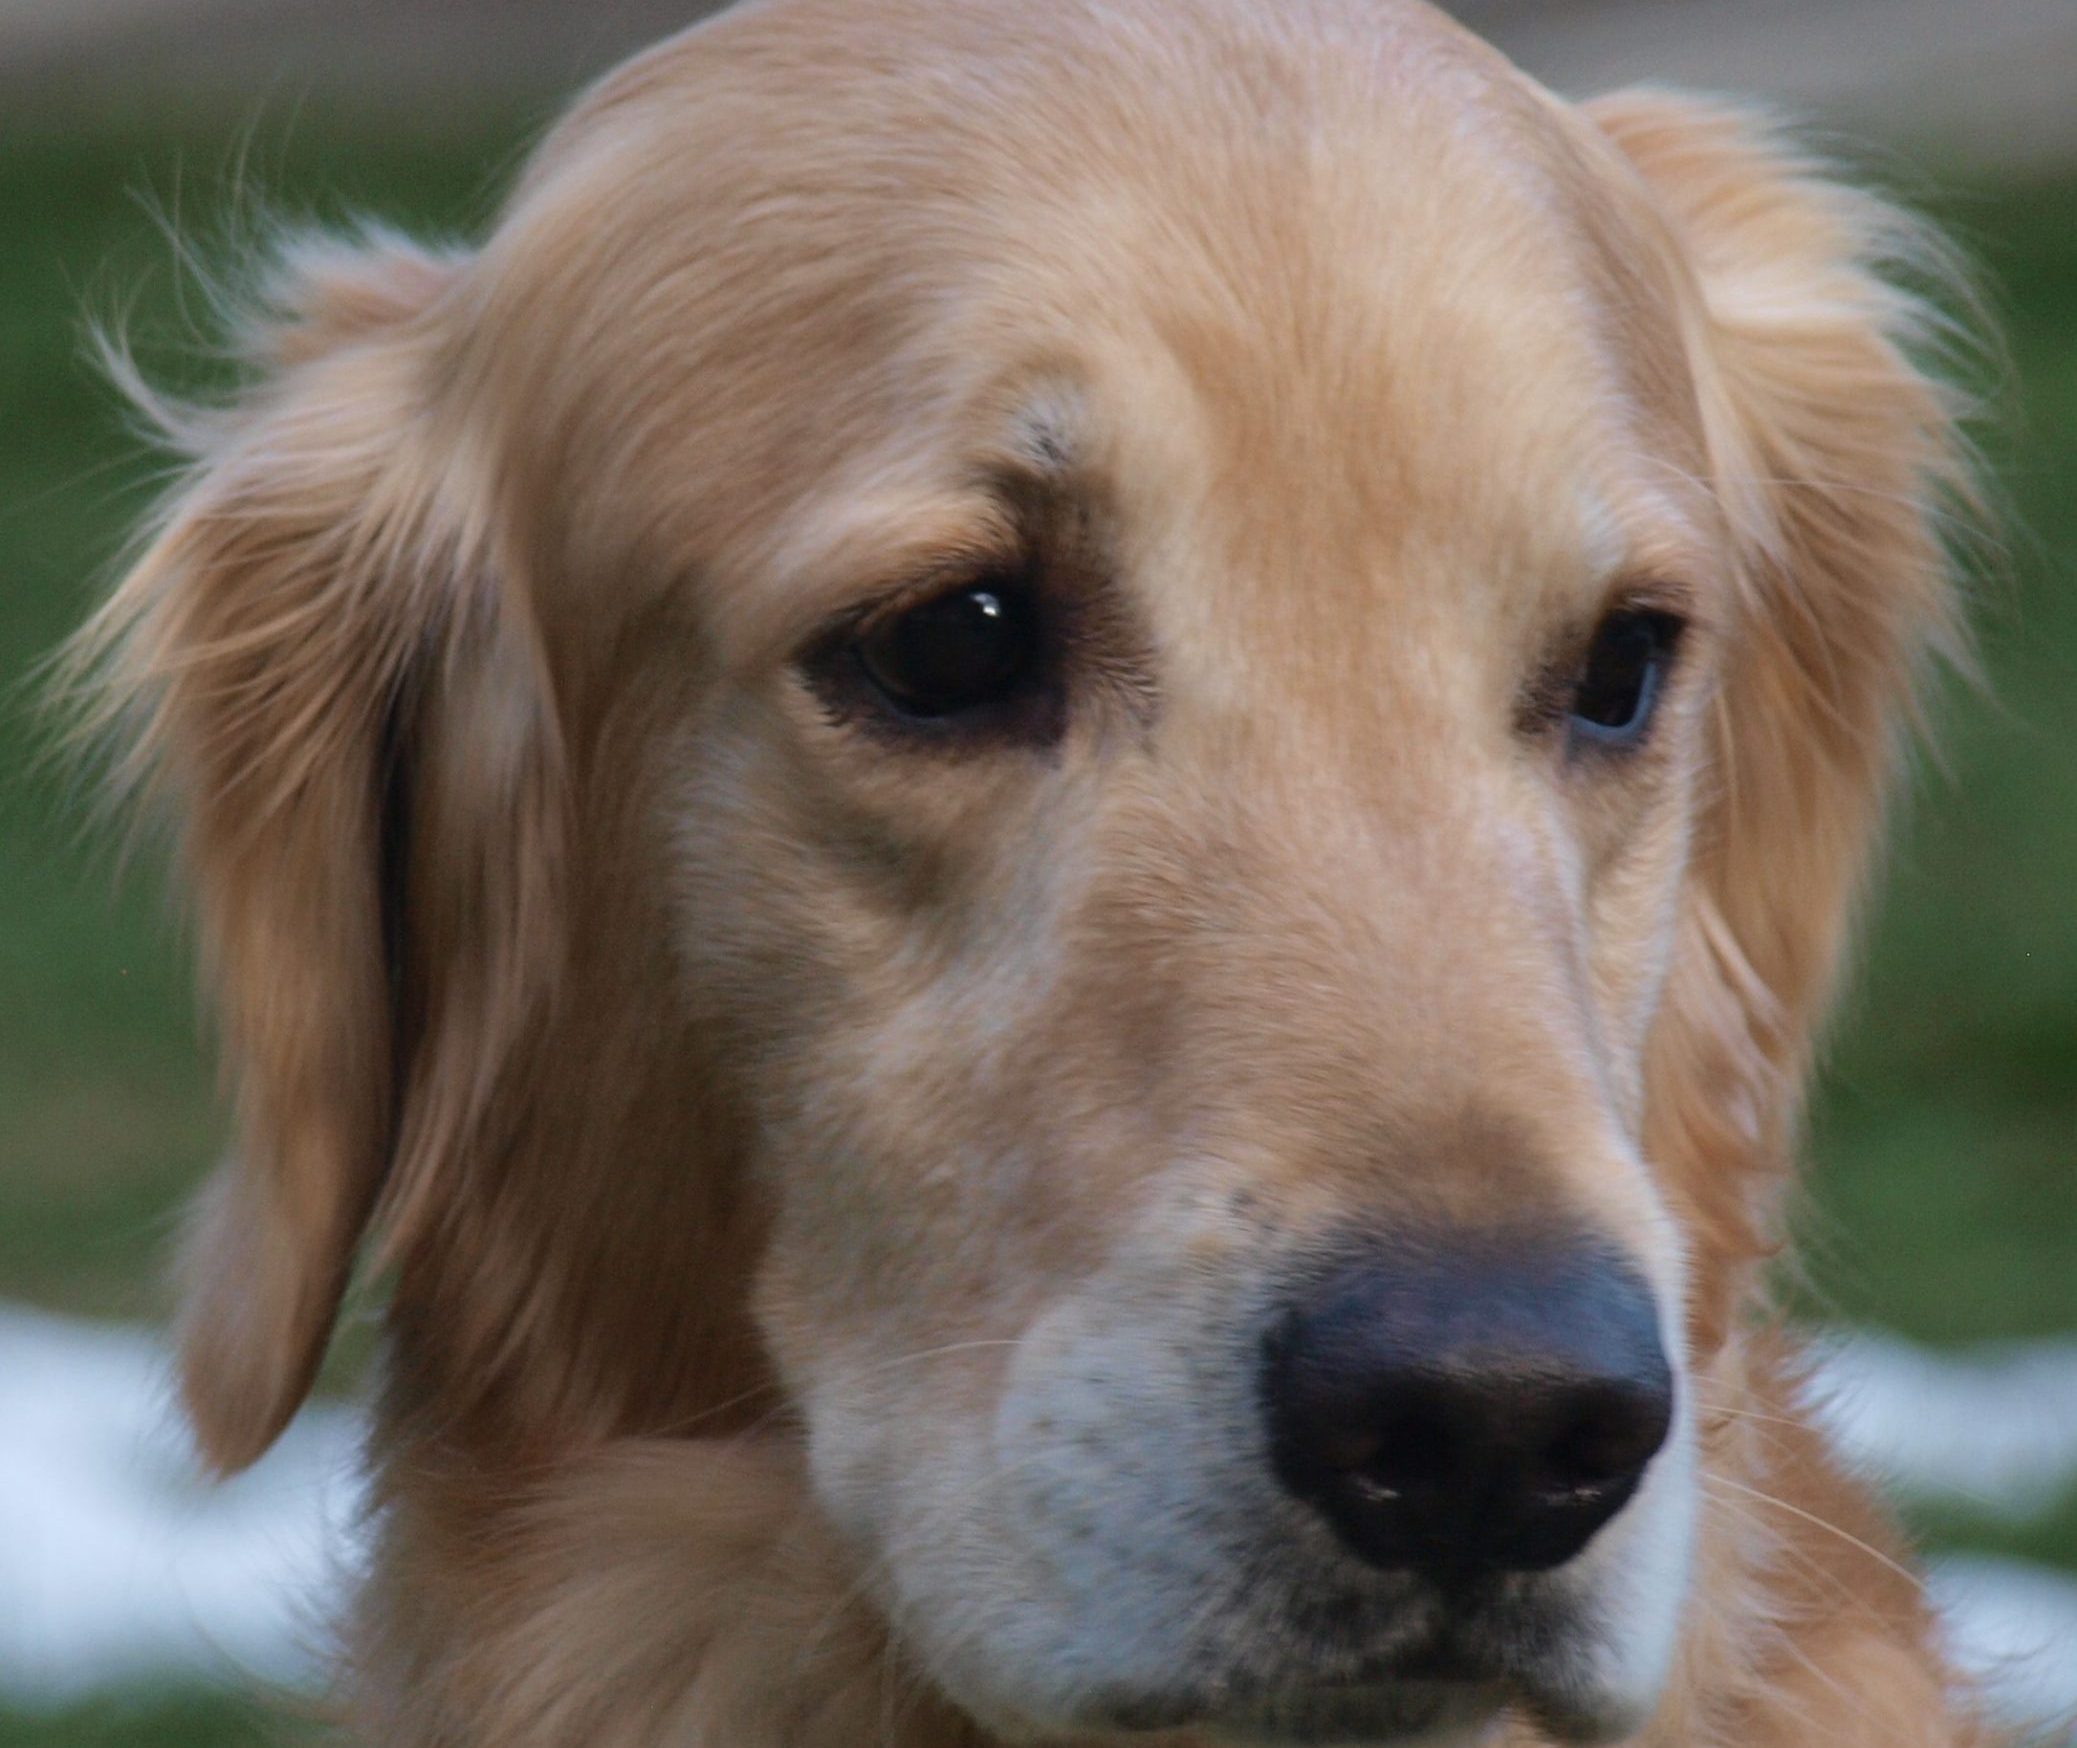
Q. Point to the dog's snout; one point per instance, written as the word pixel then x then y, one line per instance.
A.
pixel 1471 1410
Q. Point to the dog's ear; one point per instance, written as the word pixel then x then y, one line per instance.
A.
pixel 320 663
pixel 1836 456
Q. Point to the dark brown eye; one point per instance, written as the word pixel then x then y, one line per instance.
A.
pixel 1622 677
pixel 960 651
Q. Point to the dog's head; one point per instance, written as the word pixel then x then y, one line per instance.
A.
pixel 1129 744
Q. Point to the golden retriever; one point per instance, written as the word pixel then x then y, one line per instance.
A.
pixel 1042 817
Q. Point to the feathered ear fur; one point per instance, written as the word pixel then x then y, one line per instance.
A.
pixel 1837 457
pixel 319 661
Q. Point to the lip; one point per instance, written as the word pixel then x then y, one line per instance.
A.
pixel 1407 1712
pixel 1439 1696
pixel 1414 1712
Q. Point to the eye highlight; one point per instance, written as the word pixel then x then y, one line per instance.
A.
pixel 1622 676
pixel 962 651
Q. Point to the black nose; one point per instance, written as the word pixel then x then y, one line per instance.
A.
pixel 1471 1410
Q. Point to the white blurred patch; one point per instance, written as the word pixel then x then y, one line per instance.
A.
pixel 2014 1628
pixel 1994 1427
pixel 118 1564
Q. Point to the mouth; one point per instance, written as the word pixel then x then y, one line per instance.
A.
pixel 1448 1693
pixel 1415 1712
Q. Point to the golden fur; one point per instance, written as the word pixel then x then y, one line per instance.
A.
pixel 735 1097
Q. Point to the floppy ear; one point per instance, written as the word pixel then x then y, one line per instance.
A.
pixel 1836 457
pixel 319 663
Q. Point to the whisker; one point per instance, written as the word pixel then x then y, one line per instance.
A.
pixel 1816 1522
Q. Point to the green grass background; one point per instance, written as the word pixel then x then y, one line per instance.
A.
pixel 1943 1201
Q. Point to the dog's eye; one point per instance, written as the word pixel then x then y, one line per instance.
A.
pixel 960 651
pixel 1624 672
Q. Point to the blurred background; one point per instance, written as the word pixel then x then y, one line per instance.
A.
pixel 1940 1220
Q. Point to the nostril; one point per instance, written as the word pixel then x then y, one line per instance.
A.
pixel 1410 1452
pixel 1604 1441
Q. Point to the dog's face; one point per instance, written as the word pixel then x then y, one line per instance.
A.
pixel 1184 825
pixel 1175 624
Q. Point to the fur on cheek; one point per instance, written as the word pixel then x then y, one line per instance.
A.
pixel 657 1591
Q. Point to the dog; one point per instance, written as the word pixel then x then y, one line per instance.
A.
pixel 1039 822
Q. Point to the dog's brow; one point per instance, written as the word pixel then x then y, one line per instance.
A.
pixel 1666 569
pixel 1044 438
pixel 882 541
pixel 1643 529
pixel 871 549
